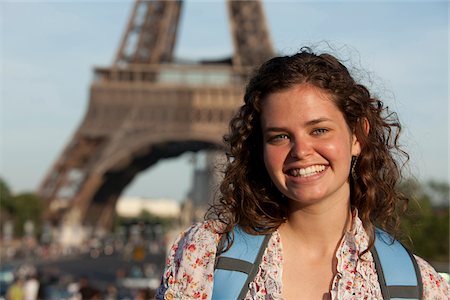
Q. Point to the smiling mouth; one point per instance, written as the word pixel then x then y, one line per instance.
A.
pixel 306 172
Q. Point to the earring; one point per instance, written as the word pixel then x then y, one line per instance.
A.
pixel 353 171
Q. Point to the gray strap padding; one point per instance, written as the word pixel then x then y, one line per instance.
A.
pixel 255 268
pixel 418 274
pixel 404 291
pixel 381 280
pixel 234 264
pixel 398 291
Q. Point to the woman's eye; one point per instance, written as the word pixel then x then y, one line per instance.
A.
pixel 278 138
pixel 319 131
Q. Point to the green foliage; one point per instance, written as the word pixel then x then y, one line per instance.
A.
pixel 27 206
pixel 439 192
pixel 425 224
pixel 149 218
pixel 19 208
pixel 6 204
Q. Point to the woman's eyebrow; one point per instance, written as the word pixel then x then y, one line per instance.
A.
pixel 317 121
pixel 276 129
pixel 308 123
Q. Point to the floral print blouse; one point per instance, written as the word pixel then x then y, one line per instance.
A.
pixel 189 271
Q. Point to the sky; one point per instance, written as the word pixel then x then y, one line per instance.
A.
pixel 48 49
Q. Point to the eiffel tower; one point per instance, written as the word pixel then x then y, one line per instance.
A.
pixel 145 107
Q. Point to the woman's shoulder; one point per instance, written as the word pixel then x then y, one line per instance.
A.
pixel 205 232
pixel 190 262
pixel 198 240
pixel 434 285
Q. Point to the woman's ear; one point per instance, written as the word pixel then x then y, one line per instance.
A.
pixel 366 126
pixel 356 144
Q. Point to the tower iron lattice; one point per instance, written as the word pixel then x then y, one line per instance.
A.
pixel 144 107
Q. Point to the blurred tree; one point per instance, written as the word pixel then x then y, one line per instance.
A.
pixel 6 211
pixel 439 192
pixel 153 219
pixel 148 218
pixel 27 207
pixel 6 203
pixel 426 221
pixel 19 208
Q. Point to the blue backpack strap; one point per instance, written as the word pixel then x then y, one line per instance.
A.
pixel 397 269
pixel 238 266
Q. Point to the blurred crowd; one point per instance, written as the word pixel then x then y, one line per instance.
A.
pixel 31 269
pixel 29 283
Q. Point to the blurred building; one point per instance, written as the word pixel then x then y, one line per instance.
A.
pixel 130 207
pixel 206 178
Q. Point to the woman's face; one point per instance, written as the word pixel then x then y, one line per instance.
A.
pixel 307 145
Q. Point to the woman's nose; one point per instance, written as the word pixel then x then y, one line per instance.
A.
pixel 300 149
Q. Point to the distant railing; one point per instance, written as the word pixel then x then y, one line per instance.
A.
pixel 174 74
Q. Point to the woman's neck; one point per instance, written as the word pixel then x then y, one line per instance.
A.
pixel 318 228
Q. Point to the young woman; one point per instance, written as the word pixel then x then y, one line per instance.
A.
pixel 313 164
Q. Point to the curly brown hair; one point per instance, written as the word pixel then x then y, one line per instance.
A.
pixel 247 195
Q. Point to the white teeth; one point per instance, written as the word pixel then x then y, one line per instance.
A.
pixel 311 170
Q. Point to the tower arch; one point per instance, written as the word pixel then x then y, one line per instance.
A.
pixel 144 108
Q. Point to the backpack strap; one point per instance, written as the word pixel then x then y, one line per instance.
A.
pixel 236 268
pixel 397 269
